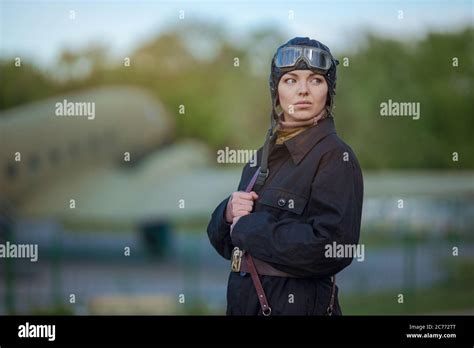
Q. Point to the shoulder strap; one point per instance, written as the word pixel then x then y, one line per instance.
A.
pixel 264 171
pixel 330 308
pixel 262 298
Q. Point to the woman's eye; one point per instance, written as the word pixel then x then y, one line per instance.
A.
pixel 316 80
pixel 290 81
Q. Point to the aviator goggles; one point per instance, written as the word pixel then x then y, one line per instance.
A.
pixel 315 58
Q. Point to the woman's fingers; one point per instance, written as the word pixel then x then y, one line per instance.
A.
pixel 246 199
pixel 242 209
pixel 242 203
pixel 240 213
pixel 243 206
pixel 245 195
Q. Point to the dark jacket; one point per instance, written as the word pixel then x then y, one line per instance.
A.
pixel 312 198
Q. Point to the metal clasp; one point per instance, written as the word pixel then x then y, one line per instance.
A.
pixel 236 260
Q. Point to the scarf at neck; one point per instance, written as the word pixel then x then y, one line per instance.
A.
pixel 288 129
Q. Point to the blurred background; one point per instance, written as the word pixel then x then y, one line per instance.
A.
pixel 118 205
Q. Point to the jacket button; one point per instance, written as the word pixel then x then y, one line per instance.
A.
pixel 281 202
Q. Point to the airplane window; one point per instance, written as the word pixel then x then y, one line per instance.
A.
pixel 12 170
pixel 33 163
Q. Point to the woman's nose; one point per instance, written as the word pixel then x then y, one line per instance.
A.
pixel 302 89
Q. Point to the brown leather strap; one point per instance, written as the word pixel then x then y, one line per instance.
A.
pixel 264 268
pixel 262 298
pixel 330 308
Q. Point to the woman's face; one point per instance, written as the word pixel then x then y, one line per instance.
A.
pixel 302 94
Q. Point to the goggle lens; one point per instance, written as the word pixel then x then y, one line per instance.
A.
pixel 315 57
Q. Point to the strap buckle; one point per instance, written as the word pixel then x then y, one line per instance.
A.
pixel 236 260
pixel 262 176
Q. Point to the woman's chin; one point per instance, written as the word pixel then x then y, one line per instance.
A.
pixel 302 115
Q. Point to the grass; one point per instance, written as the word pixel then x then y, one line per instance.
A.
pixel 453 296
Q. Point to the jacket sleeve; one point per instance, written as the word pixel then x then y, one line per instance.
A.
pixel 298 246
pixel 218 229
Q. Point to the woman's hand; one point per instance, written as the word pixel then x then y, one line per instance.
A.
pixel 240 204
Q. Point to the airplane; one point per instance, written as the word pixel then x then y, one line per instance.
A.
pixel 118 169
pixel 119 166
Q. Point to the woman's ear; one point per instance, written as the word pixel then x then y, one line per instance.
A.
pixel 279 110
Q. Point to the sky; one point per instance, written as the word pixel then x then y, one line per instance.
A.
pixel 39 30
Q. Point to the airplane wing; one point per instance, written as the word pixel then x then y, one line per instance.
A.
pixel 173 183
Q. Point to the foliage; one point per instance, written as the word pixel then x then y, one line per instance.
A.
pixel 227 105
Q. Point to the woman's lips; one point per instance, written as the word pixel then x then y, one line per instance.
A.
pixel 303 104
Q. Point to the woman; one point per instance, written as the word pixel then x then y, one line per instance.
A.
pixel 307 197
